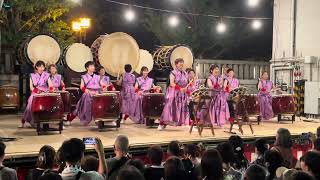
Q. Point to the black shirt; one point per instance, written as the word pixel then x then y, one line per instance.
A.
pixel 154 173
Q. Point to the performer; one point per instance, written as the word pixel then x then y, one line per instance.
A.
pixel 127 93
pixel 175 111
pixel 90 85
pixel 143 84
pixel 264 96
pixel 55 78
pixel 105 79
pixel 194 84
pixel 231 83
pixel 218 109
pixel 39 82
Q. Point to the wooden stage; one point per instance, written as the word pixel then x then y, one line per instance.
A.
pixel 29 143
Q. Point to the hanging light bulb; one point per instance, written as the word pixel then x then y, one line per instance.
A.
pixel 221 27
pixel 256 24
pixel 129 15
pixel 253 3
pixel 173 21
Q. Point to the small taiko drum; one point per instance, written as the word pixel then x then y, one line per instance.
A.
pixel 65 96
pixel 9 97
pixel 75 95
pixel 106 105
pixel 152 104
pixel 248 105
pixel 47 106
pixel 283 104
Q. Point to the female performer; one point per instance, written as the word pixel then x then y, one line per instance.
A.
pixel 230 84
pixel 39 82
pixel 265 99
pixel 90 85
pixel 176 110
pixel 194 84
pixel 218 109
pixel 55 78
pixel 127 82
pixel 143 84
pixel 105 79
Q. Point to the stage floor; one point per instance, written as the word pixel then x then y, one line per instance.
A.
pixel 29 143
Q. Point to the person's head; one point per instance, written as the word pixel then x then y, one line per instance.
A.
pixel 236 143
pixel 191 150
pixel 255 172
pixel 214 70
pixel 179 63
pixel 144 71
pixel 211 165
pixel 46 157
pixel 71 151
pixel 310 163
pixel 316 144
pixel 90 66
pixel 226 151
pixel 272 160
pixel 174 148
pixel 2 151
pixel 40 66
pixel 174 169
pixel 136 163
pixel 121 145
pixel 127 68
pixel 261 146
pixel 283 138
pixel 191 73
pixel 155 154
pixel 90 163
pixel 264 75
pixel 300 175
pixel 50 176
pixel 52 68
pixel 101 70
pixel 230 73
pixel 129 172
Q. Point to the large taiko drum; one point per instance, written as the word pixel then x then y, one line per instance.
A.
pixel 95 48
pixel 116 50
pixel 65 96
pixel 152 104
pixel 165 56
pixel 47 106
pixel 283 104
pixel 43 47
pixel 248 104
pixel 106 105
pixel 9 97
pixel 144 60
pixel 76 55
pixel 75 95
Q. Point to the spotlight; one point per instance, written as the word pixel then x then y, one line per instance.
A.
pixel 221 28
pixel 173 21
pixel 256 24
pixel 129 15
pixel 253 3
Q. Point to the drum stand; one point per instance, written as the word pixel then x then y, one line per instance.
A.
pixel 286 117
pixel 44 125
pixel 102 126
pixel 244 119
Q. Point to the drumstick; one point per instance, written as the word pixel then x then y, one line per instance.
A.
pixel 118 75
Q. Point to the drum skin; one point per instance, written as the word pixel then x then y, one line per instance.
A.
pixel 9 97
pixel 47 107
pixel 75 57
pixel 152 104
pixel 283 104
pixel 65 96
pixel 106 106
pixel 250 104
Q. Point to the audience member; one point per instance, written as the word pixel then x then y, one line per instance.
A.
pixel 174 149
pixel 137 163
pixel 283 145
pixel 300 175
pixel 273 161
pixel 241 163
pixel 155 171
pixel 46 161
pixel 90 163
pixel 310 163
pixel 121 148
pixel 49 175
pixel 191 161
pixel 5 172
pixel 261 146
pixel 173 169
pixel 255 172
pixel 129 173
pixel 316 145
pixel 211 165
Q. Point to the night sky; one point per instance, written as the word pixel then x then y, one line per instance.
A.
pixel 107 18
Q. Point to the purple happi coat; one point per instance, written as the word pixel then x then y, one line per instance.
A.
pixel 176 111
pixel 195 85
pixel 84 105
pixel 105 80
pixel 127 94
pixel 41 83
pixel 56 81
pixel 265 99
pixel 233 83
pixel 144 84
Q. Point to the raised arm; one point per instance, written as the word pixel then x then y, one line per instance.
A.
pixel 102 169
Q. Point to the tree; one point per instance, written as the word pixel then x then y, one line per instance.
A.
pixel 27 17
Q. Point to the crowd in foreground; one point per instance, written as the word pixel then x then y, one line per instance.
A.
pixel 182 162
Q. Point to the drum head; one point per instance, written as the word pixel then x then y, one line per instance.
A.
pixel 144 60
pixel 45 48
pixel 117 50
pixel 77 55
pixel 182 52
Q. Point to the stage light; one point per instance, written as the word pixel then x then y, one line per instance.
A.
pixel 256 24
pixel 85 22
pixel 173 21
pixel 76 26
pixel 253 3
pixel 129 15
pixel 221 28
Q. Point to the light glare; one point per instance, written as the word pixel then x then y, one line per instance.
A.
pixel 129 15
pixel 221 28
pixel 256 24
pixel 173 21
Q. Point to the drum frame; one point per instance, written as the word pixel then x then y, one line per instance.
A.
pixel 151 116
